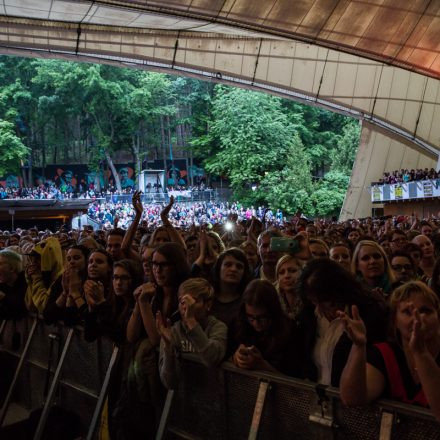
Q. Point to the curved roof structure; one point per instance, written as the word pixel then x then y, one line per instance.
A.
pixel 397 32
pixel 377 60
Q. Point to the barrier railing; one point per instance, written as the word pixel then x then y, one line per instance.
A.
pixel 77 380
pixel 219 403
pixel 230 403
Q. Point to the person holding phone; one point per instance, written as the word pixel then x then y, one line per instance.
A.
pixel 263 336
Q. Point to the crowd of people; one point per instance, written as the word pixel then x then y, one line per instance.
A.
pixel 51 191
pixel 181 214
pixel 405 176
pixel 354 305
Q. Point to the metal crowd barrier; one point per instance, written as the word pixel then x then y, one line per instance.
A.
pixel 161 197
pixel 79 376
pixel 229 403
pixel 219 403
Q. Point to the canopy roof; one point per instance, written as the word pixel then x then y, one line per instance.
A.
pixel 375 59
pixel 398 32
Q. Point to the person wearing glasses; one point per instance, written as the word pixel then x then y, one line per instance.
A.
pixel 403 267
pixel 398 240
pixel 169 269
pixel 263 336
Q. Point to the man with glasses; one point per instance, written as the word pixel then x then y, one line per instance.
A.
pixel 398 240
pixel 403 267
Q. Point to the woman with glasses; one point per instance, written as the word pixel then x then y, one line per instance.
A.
pixel 169 268
pixel 325 287
pixel 109 295
pixel 263 335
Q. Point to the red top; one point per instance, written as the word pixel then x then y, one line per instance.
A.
pixel 397 389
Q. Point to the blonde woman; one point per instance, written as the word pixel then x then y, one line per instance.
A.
pixel 287 272
pixel 407 366
pixel 371 265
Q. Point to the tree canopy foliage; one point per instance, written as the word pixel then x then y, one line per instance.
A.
pixel 271 150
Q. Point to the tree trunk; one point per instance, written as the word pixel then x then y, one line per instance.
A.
pixel 164 150
pixel 113 169
pixel 55 147
pixel 97 182
pixel 172 174
pixel 30 174
pixel 43 154
pixel 135 148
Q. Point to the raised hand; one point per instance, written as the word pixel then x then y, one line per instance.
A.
pixel 187 304
pixel 94 292
pixel 417 341
pixel 144 293
pixel 137 204
pixel 65 281
pixel 164 329
pixel 203 248
pixel 74 281
pixel 166 211
pixel 354 327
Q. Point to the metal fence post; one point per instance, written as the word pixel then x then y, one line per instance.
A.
pixel 102 394
pixel 165 415
pixel 386 426
pixel 17 372
pixel 53 386
pixel 321 414
pixel 258 410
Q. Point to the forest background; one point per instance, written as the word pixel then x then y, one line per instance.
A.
pixel 272 151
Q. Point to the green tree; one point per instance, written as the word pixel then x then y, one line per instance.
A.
pixel 329 193
pixel 290 187
pixel 12 150
pixel 344 155
pixel 252 133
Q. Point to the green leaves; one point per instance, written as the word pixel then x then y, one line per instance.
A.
pixel 12 150
pixel 294 156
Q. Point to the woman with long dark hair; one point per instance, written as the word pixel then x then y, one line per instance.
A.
pixel 325 288
pixel 169 269
pixel 230 276
pixel 263 335
pixel 70 304
pixel 99 295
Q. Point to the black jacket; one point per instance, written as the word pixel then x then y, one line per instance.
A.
pixel 13 305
